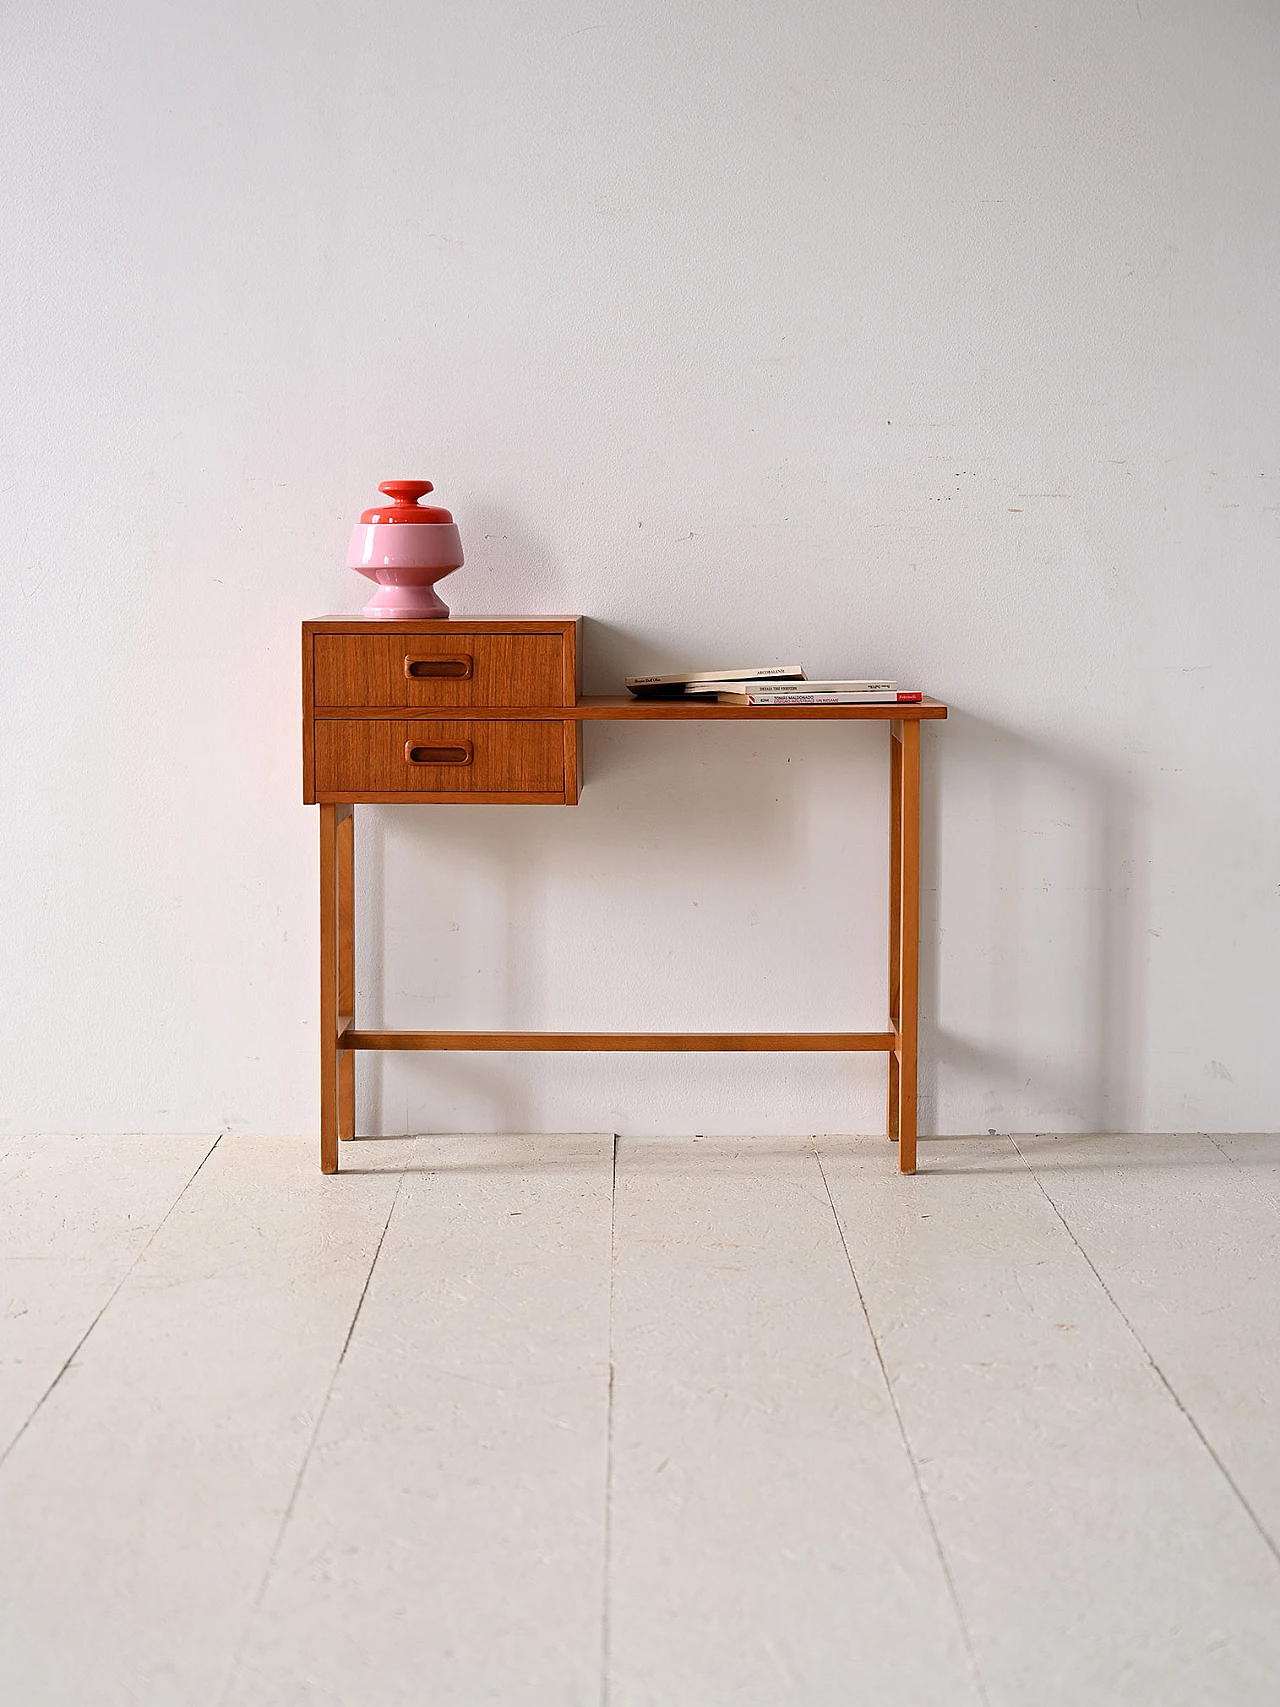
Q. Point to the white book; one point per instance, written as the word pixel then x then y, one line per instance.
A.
pixel 762 672
pixel 765 698
pixel 873 686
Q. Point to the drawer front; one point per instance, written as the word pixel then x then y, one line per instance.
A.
pixel 438 671
pixel 450 756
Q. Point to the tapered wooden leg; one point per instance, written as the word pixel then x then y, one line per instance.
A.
pixel 895 916
pixel 909 946
pixel 329 989
pixel 347 969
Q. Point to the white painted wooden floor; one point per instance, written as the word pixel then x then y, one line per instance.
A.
pixel 497 1420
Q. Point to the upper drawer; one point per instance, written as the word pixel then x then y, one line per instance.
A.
pixel 439 670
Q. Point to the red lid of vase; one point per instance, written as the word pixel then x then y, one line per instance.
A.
pixel 404 506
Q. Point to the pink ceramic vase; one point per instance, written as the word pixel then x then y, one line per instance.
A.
pixel 406 547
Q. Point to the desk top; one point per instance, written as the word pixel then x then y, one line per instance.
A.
pixel 360 624
pixel 624 708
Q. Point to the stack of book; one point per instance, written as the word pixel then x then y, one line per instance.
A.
pixel 768 684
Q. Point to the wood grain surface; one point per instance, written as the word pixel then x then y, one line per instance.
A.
pixel 634 1042
pixel 357 756
pixel 358 670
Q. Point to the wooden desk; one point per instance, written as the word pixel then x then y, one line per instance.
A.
pixel 489 710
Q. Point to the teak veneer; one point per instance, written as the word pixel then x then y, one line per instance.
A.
pixel 489 710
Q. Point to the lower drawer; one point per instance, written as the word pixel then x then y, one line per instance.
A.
pixel 456 758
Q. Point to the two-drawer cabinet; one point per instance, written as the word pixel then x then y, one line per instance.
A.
pixel 464 709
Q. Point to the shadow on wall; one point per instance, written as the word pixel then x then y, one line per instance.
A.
pixel 1033 914
pixel 510 569
pixel 502 552
pixel 1034 909
pixel 611 654
pixel 699 855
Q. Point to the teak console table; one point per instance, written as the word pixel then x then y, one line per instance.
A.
pixel 488 710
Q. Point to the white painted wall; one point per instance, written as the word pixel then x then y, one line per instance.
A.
pixel 932 338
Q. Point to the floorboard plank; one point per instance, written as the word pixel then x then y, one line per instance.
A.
pixel 447 1544
pixel 1258 1154
pixel 1187 1241
pixel 1098 1553
pixel 78 1212
pixel 768 1539
pixel 140 1508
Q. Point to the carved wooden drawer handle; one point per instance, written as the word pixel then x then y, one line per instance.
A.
pixel 456 667
pixel 456 753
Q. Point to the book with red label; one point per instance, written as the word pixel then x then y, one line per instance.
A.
pixel 901 697
pixel 874 684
